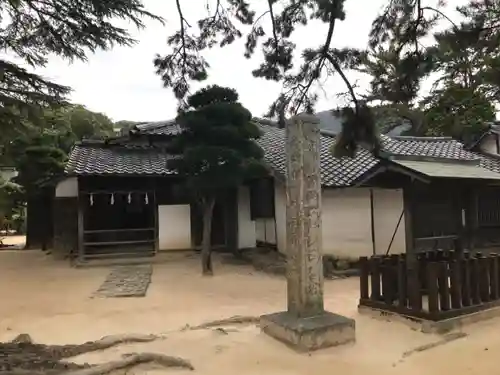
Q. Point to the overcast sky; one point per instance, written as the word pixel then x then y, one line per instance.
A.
pixel 122 83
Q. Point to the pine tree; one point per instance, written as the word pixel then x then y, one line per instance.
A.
pixel 396 41
pixel 215 150
pixel 233 19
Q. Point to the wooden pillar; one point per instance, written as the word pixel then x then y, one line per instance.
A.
pixel 472 219
pixel 156 221
pixel 372 223
pixel 303 217
pixel 413 283
pixel 81 227
pixel 463 200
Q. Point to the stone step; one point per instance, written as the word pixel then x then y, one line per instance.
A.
pixel 158 258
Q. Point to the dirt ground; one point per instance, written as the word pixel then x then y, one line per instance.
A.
pixel 13 240
pixel 51 301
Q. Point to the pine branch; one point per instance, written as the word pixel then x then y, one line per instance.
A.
pixel 34 29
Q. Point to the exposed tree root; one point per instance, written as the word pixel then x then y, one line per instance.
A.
pixel 22 356
pixel 67 351
pixel 131 360
pixel 237 319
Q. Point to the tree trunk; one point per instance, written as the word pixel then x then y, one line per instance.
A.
pixel 206 243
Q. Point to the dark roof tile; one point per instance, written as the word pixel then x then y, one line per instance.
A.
pixel 432 147
pixel 87 159
pixel 334 172
pixel 158 128
pixel 93 159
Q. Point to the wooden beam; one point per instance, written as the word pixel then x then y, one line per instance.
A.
pixel 115 243
pixel 156 223
pixel 413 283
pixel 372 223
pixel 119 230
pixel 81 228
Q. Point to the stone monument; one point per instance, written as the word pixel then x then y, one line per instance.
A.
pixel 305 326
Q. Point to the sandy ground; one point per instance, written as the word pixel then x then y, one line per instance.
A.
pixel 13 240
pixel 51 301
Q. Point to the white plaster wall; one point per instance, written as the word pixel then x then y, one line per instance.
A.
pixel 488 144
pixel 280 215
pixel 346 222
pixel 67 187
pixel 174 227
pixel 387 207
pixel 246 226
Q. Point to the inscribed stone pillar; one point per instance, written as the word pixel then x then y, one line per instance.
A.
pixel 305 325
pixel 303 217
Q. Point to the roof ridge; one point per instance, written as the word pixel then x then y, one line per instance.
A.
pixel 421 139
pixel 265 121
pixel 85 142
pixel 155 124
pixel 486 155
pixel 431 158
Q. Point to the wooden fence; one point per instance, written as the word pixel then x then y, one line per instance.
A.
pixel 444 284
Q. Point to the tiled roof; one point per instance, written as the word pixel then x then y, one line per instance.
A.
pixel 98 159
pixel 157 128
pixel 127 160
pixel 490 162
pixel 432 147
pixel 334 172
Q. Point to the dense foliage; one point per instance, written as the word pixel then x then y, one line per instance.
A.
pixel 34 29
pixel 215 150
pixel 39 150
pixel 37 128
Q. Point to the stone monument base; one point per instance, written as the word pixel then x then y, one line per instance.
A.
pixel 308 334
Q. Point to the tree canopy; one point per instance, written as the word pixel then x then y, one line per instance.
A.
pixel 397 58
pixel 34 29
pixel 215 150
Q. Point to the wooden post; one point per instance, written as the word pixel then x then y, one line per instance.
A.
pixel 156 223
pixel 375 278
pixel 363 278
pixel 413 283
pixel 461 221
pixel 432 286
pixel 444 290
pixel 498 273
pixel 402 288
pixel 386 279
pixel 493 264
pixel 484 278
pixel 474 281
pixel 455 284
pixel 390 280
pixel 81 227
pixel 466 282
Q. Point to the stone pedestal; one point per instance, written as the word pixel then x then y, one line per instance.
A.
pixel 306 325
pixel 308 334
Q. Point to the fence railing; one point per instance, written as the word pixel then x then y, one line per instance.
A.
pixel 445 283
